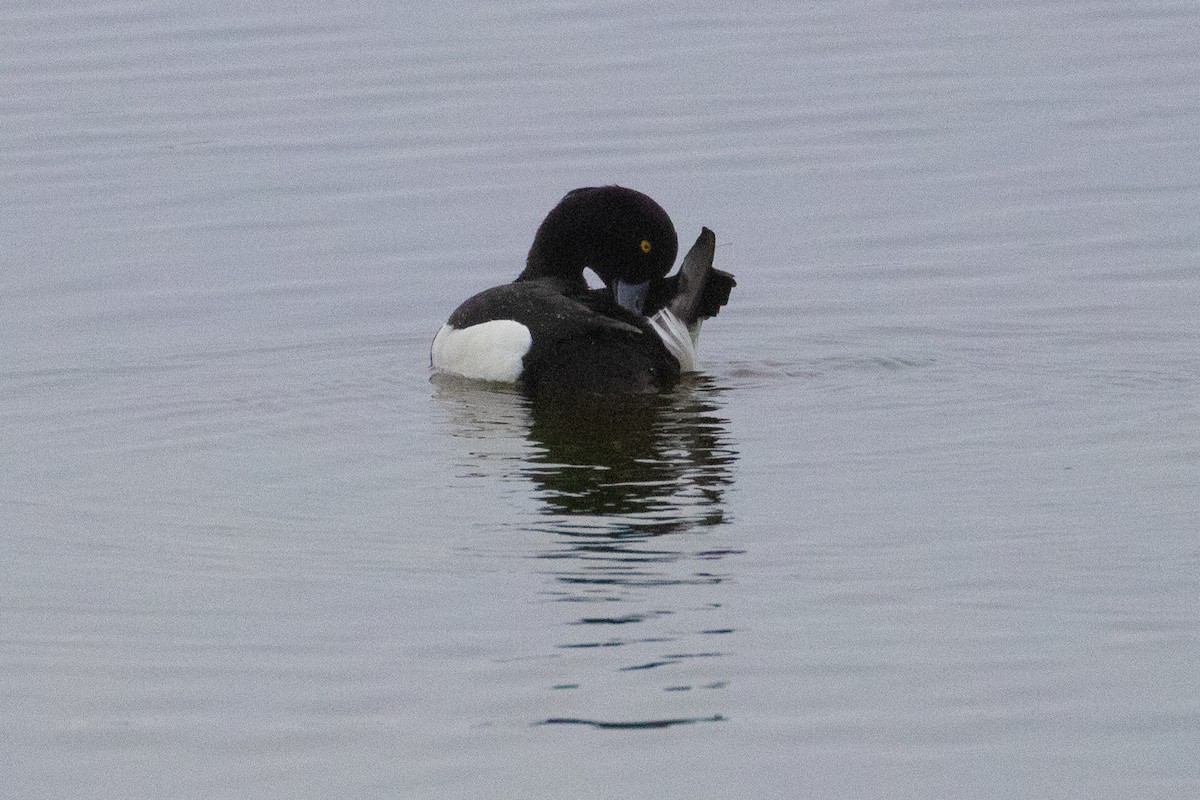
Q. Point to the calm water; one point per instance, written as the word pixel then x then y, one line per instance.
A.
pixel 925 526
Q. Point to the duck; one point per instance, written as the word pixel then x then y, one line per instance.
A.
pixel 551 335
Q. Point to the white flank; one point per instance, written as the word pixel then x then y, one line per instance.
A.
pixel 489 351
pixel 679 339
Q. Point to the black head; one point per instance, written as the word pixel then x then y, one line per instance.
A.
pixel 622 235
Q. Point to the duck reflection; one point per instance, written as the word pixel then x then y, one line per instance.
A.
pixel 645 647
pixel 632 467
pixel 630 495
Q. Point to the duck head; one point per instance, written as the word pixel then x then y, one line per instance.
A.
pixel 622 235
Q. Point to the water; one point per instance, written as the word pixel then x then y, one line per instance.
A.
pixel 924 526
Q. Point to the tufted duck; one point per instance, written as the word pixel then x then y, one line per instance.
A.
pixel 552 335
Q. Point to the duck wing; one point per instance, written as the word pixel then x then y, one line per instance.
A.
pixel 540 306
pixel 701 290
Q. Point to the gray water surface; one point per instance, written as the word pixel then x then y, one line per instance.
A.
pixel 923 526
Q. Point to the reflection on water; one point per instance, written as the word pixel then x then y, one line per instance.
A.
pixel 641 645
pixel 632 467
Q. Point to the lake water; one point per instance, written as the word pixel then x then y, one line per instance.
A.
pixel 924 526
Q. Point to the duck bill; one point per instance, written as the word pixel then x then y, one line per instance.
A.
pixel 631 295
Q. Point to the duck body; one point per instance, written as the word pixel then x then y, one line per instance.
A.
pixel 551 335
pixel 551 342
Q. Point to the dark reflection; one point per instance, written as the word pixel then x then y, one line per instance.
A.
pixel 633 490
pixel 631 502
pixel 654 723
pixel 633 467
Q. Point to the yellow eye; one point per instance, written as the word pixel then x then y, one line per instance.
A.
pixel 645 245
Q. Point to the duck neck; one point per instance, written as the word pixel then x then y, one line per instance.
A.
pixel 538 267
